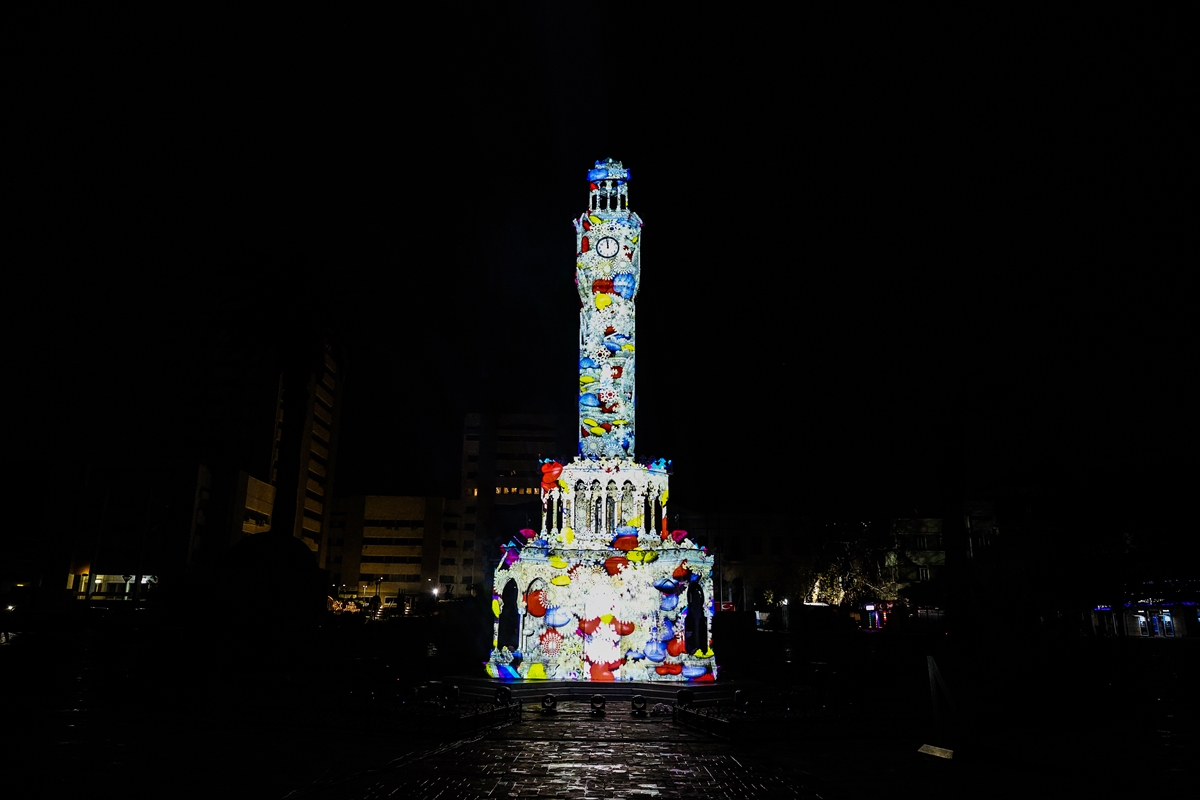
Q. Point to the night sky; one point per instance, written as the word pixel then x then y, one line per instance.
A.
pixel 887 258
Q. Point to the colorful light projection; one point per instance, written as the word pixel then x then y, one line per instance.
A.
pixel 607 267
pixel 604 591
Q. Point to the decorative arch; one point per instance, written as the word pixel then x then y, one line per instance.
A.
pixel 508 632
pixel 596 508
pixel 580 516
pixel 610 508
pixel 627 507
pixel 695 631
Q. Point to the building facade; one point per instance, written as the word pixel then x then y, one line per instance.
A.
pixel 501 486
pixel 398 548
pixel 305 456
pixel 252 452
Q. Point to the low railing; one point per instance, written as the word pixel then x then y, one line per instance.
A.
pixel 749 715
pixel 459 716
pixel 476 717
pixel 711 719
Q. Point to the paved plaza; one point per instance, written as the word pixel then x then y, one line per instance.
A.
pixel 80 717
pixel 575 754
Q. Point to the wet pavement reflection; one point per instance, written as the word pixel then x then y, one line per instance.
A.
pixel 175 717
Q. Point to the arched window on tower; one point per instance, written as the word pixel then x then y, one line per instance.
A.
pixel 627 512
pixel 508 633
pixel 695 632
pixel 553 507
pixel 581 519
pixel 597 506
pixel 611 199
pixel 648 509
pixel 610 508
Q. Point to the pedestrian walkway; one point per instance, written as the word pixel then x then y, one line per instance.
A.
pixel 575 754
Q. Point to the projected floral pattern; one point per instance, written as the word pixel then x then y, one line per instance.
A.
pixel 606 614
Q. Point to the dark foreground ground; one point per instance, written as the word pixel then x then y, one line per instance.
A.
pixel 115 709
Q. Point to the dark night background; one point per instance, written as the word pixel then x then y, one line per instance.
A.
pixel 893 262
pixel 891 257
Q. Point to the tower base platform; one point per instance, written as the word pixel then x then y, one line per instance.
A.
pixel 703 693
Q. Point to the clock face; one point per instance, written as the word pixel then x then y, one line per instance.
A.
pixel 607 247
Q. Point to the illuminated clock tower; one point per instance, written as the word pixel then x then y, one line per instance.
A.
pixel 604 590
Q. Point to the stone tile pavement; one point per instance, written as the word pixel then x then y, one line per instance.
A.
pixel 573 754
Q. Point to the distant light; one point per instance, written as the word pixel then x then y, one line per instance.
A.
pixel 869 607
pixel 940 752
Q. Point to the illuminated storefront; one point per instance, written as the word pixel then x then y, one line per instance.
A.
pixel 1148 619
